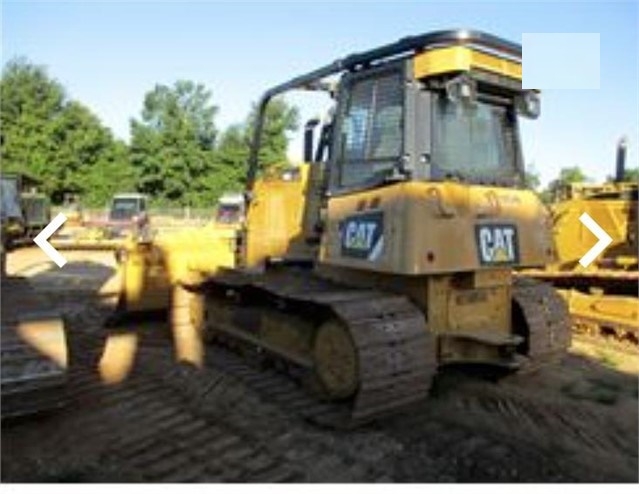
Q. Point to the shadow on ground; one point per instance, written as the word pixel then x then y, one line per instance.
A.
pixel 134 414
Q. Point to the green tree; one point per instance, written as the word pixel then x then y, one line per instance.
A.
pixel 178 156
pixel 30 104
pixel 232 151
pixel 631 175
pixel 531 178
pixel 231 159
pixel 113 173
pixel 568 175
pixel 572 175
pixel 58 141
pixel 89 159
pixel 280 120
pixel 172 145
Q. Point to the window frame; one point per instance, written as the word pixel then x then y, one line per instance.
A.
pixel 418 128
pixel 337 162
pixel 486 177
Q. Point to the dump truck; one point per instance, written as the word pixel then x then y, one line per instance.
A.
pixel 127 215
pixel 25 211
pixel 36 208
pixel 389 253
pixel 12 220
pixel 602 297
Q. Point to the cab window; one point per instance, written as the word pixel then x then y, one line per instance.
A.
pixel 124 208
pixel 371 130
pixel 474 142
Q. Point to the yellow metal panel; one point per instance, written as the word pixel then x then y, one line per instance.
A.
pixel 430 227
pixel 573 239
pixel 275 218
pixel 149 271
pixel 611 310
pixel 461 58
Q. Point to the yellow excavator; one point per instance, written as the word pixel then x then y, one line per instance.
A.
pixel 602 297
pixel 390 252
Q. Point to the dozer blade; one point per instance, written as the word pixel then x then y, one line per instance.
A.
pixel 150 271
pixel 605 315
pixel 34 361
pixel 33 351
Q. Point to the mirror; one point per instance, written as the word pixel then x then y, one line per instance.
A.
pixel 528 104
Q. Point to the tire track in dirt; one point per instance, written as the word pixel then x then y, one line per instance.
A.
pixel 240 421
pixel 564 440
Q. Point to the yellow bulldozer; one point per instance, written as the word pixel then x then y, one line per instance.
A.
pixel 602 297
pixel 390 252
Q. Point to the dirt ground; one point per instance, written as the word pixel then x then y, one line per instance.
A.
pixel 133 414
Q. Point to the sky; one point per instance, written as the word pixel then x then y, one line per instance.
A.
pixel 108 54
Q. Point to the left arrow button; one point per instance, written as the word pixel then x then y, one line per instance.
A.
pixel 42 240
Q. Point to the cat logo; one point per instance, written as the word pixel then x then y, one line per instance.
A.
pixel 363 236
pixel 497 244
pixel 359 236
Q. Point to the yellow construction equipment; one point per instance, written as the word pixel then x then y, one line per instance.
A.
pixel 127 216
pixel 602 297
pixel 149 268
pixel 390 252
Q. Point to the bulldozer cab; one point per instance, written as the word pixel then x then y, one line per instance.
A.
pixel 424 130
pixel 402 122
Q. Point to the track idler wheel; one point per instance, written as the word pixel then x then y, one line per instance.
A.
pixel 335 360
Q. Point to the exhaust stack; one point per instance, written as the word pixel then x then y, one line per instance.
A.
pixel 621 160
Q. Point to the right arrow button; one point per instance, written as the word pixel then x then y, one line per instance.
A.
pixel 602 236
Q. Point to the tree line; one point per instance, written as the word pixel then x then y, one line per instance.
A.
pixel 569 175
pixel 176 154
